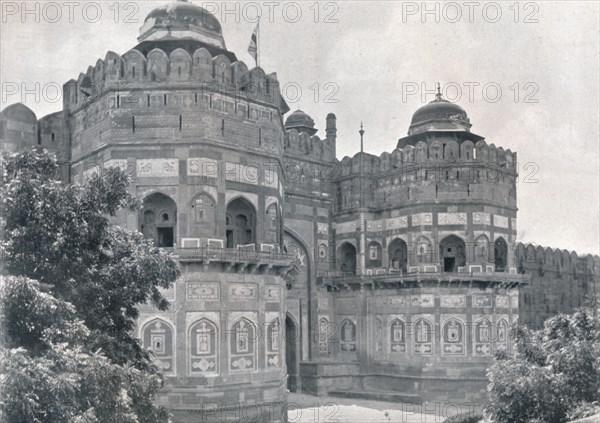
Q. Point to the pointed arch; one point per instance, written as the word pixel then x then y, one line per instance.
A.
pixel 452 253
pixel 158 219
pixel 346 258
pixel 398 254
pixel 240 222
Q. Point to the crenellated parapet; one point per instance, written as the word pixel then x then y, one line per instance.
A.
pixel 560 281
pixel 162 66
pixel 437 169
pixel 310 147
pixel 546 259
pixel 436 154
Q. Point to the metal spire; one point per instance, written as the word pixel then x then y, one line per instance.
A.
pixel 438 96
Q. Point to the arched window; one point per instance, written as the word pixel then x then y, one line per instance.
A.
pixel 500 254
pixel 157 336
pixel 347 258
pixel 204 348
pixel 348 336
pixel 398 254
pixel 453 337
pixel 397 336
pixel 482 337
pixel 423 337
pixel 452 253
pixel 241 229
pixel 159 220
pixel 242 346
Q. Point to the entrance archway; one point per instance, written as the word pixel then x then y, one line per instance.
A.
pixel 159 220
pixel 452 253
pixel 291 353
pixel 240 222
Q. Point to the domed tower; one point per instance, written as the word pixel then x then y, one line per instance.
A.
pixel 425 274
pixel 202 136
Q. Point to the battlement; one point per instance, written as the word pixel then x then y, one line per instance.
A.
pixel 436 154
pixel 180 68
pixel 555 260
pixel 310 147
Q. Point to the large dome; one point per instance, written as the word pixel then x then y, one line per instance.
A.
pixel 182 20
pixel 439 115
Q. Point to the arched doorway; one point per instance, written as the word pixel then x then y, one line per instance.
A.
pixel 398 254
pixel 291 353
pixel 347 258
pixel 500 254
pixel 240 222
pixel 452 253
pixel 159 220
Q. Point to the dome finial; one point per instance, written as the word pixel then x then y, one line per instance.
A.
pixel 438 96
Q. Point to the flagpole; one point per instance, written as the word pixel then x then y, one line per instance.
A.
pixel 258 44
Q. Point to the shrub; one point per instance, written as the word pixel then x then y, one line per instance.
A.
pixel 550 371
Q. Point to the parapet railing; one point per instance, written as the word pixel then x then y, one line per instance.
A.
pixel 233 255
pixel 385 275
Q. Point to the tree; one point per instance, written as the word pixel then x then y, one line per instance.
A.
pixel 551 371
pixel 69 309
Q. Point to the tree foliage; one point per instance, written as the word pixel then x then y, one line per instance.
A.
pixel 550 372
pixel 70 303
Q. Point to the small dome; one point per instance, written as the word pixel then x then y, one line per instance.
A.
pixel 301 122
pixel 180 19
pixel 439 115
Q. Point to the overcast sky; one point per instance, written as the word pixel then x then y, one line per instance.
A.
pixel 367 58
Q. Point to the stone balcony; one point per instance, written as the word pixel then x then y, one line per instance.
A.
pixel 420 276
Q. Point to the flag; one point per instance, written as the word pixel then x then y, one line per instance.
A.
pixel 253 47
